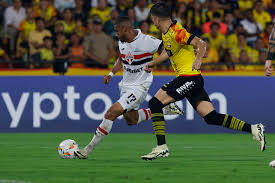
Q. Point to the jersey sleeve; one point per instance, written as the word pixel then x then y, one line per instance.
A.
pixel 183 37
pixel 153 44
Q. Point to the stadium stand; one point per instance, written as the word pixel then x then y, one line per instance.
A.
pixel 38 33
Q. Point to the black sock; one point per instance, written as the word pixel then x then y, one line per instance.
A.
pixel 158 119
pixel 214 118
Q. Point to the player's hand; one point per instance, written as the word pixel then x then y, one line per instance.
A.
pixel 196 65
pixel 107 79
pixel 268 68
pixel 149 67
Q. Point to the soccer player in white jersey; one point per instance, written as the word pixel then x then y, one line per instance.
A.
pixel 136 50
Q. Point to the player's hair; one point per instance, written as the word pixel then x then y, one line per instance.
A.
pixel 123 20
pixel 161 10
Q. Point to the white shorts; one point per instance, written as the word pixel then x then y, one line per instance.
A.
pixel 131 97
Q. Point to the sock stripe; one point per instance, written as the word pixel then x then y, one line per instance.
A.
pixel 232 123
pixel 157 115
pixel 225 119
pixel 241 125
pixel 102 131
pixel 156 123
pixel 159 128
pixel 236 124
pixel 146 114
pixel 160 132
pixel 228 122
pixel 149 112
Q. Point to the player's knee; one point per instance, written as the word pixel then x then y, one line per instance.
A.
pixel 213 118
pixel 155 105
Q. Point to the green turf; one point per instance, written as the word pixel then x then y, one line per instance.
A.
pixel 216 158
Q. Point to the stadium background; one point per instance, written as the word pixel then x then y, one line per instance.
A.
pixel 233 73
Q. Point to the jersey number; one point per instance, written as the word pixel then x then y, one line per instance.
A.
pixel 131 98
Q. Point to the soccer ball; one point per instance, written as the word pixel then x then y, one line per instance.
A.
pixel 66 149
pixel 272 164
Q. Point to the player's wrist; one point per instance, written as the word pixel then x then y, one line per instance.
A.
pixel 111 74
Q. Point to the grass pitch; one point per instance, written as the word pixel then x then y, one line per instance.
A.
pixel 198 158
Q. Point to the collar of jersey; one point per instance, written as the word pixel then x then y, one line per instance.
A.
pixel 173 23
pixel 139 31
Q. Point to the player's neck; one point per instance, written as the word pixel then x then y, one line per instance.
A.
pixel 132 36
pixel 165 25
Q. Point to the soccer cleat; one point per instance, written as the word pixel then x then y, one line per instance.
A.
pixel 258 134
pixel 157 152
pixel 172 109
pixel 81 153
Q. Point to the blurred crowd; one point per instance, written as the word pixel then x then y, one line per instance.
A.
pixel 36 33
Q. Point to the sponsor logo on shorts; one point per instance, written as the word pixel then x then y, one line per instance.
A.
pixel 185 87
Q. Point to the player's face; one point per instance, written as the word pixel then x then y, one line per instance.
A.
pixel 155 20
pixel 121 33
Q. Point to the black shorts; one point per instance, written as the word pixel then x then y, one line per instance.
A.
pixel 190 87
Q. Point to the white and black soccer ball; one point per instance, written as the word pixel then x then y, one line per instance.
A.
pixel 66 149
pixel 272 164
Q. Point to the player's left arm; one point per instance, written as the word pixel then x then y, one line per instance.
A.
pixel 200 46
pixel 185 38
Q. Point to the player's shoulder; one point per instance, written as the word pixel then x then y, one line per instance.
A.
pixel 176 27
pixel 150 38
pixel 143 38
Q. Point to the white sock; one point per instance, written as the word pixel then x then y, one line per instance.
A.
pixel 144 114
pixel 103 129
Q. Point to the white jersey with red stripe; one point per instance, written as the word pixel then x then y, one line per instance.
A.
pixel 135 55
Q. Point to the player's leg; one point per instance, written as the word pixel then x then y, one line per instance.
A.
pixel 211 117
pixel 200 101
pixel 134 97
pixel 173 91
pixel 135 117
pixel 102 130
pixel 156 104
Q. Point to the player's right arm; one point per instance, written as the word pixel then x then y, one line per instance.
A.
pixel 161 58
pixel 271 53
pixel 117 66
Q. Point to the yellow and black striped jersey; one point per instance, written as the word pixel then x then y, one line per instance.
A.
pixel 176 42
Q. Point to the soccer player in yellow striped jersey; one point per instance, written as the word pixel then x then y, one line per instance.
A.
pixel 181 53
pixel 179 48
